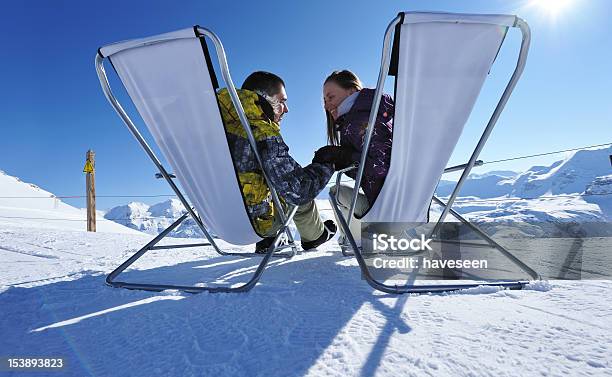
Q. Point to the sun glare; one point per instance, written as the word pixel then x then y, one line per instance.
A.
pixel 552 8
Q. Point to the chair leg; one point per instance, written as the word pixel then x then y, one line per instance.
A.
pixel 110 279
pixel 492 242
pixel 409 288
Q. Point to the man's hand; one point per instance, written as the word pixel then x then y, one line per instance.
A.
pixel 340 156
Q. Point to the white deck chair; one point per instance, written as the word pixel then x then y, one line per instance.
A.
pixel 440 62
pixel 171 81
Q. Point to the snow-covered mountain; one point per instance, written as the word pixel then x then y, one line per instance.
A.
pixel 496 196
pixel 568 176
pixel 487 197
pixel 499 173
pixel 25 204
pixel 599 194
pixel 481 186
pixel 153 219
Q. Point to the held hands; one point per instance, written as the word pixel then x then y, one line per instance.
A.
pixel 340 156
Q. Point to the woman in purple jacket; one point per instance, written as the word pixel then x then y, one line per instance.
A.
pixel 348 106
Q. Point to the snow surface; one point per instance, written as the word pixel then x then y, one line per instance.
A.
pixel 311 315
pixel 27 204
pixel 553 208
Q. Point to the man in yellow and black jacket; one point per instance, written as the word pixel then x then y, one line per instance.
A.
pixel 263 99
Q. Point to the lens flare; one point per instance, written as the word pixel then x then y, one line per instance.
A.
pixel 551 8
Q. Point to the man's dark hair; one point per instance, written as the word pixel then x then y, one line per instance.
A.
pixel 266 82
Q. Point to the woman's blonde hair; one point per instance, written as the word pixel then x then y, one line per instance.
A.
pixel 346 80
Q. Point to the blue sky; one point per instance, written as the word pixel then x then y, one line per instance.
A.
pixel 52 109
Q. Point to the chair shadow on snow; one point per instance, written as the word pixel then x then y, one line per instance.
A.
pixel 284 325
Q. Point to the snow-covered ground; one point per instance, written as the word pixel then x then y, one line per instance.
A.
pixel 29 205
pixel 310 315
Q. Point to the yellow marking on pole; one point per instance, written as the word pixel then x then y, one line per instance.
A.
pixel 88 167
pixel 90 189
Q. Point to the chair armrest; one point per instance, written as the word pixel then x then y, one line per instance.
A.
pixel 462 166
pixel 160 176
pixel 342 171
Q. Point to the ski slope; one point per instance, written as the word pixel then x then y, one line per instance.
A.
pixel 26 204
pixel 310 315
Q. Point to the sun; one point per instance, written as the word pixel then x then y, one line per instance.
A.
pixel 552 8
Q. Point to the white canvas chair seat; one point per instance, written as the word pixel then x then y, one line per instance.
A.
pixel 171 87
pixel 171 81
pixel 440 61
pixel 445 60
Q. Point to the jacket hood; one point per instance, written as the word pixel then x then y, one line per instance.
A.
pixel 365 99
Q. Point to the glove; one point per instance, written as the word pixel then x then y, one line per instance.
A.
pixel 340 156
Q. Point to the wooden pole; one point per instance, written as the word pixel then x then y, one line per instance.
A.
pixel 90 187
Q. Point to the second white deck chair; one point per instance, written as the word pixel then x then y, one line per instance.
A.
pixel 440 62
pixel 172 83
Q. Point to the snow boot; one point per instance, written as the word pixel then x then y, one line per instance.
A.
pixel 329 230
pixel 262 246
